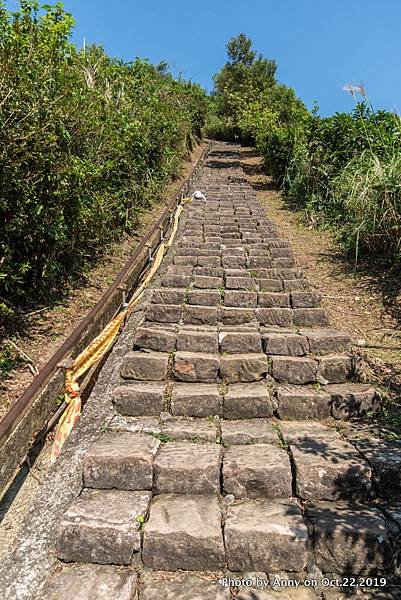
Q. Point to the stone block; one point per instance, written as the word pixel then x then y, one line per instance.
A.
pixel 147 366
pixel 285 344
pixel 139 399
pixel 247 401
pixel 335 368
pixel 257 471
pixel 209 271
pixel 173 281
pixel 236 316
pixel 240 299
pixel 197 341
pixel 203 282
pixel 266 536
pixel 353 400
pixel 252 431
pixel 209 261
pixel 195 400
pixel 121 460
pixel 195 430
pixel 196 366
pixel 243 367
pixel 204 297
pixel 90 582
pixel 190 589
pixel 157 339
pixel 330 469
pixel 273 300
pixel 302 403
pixel 187 468
pixel 101 526
pixel 184 532
pixel 241 283
pixel 295 433
pixel 270 285
pixel 327 341
pixel 274 316
pixel 296 285
pixel 172 296
pixel 259 262
pixel 163 313
pixel 348 538
pixel 245 342
pixel 309 317
pixel 305 299
pixel 200 315
pixel 293 369
pixel 233 262
pixel 186 261
pixel 384 456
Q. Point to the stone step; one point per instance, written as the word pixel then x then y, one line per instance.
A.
pixel 341 401
pixel 91 582
pixel 101 526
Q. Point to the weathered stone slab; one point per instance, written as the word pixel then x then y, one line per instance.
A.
pixel 171 280
pixel 172 296
pixel 204 282
pixel 101 526
pixel 195 400
pixel 184 532
pixel 257 471
pixel 305 299
pixel 240 298
pixel 247 401
pixel 335 368
pixel 274 316
pixel 330 469
pixel 90 582
pixel 251 431
pixel 164 313
pixel 243 367
pixel 309 317
pixel 157 339
pixel 285 344
pixel 294 433
pixel 348 538
pixel 270 285
pixel 135 424
pixel 273 300
pixel 302 402
pixel 146 366
pixel 384 456
pixel 240 342
pixel 204 297
pixel 241 283
pixel 236 316
pixel 197 430
pixel 296 285
pixel 327 341
pixel 121 460
pixel 196 366
pixel 353 400
pixel 139 399
pixel 197 341
pixel 190 589
pixel 200 315
pixel 293 369
pixel 187 468
pixel 262 535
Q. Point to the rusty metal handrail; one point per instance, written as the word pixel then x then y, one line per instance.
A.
pixel 16 413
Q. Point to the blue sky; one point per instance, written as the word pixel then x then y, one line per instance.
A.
pixel 319 45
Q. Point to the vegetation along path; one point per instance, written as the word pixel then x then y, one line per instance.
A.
pixel 210 448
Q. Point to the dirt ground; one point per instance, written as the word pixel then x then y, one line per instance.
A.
pixel 362 299
pixel 43 330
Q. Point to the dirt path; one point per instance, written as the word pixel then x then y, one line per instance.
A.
pixel 40 334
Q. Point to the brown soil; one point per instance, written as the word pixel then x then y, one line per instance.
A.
pixel 363 299
pixel 40 333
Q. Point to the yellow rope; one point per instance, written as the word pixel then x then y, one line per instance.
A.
pixel 101 345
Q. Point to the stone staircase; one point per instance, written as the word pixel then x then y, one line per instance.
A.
pixel 223 457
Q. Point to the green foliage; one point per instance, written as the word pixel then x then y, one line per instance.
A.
pixel 86 144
